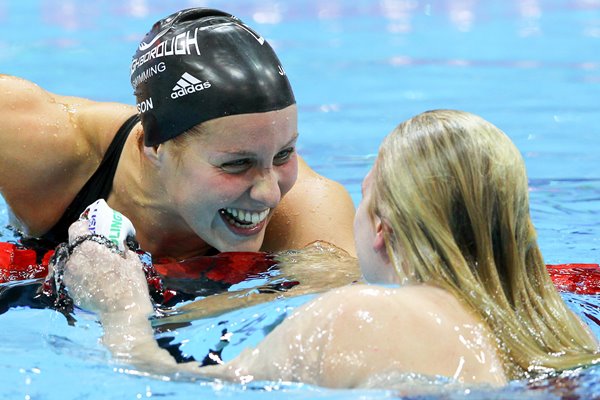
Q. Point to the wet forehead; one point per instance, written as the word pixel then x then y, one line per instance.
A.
pixel 239 132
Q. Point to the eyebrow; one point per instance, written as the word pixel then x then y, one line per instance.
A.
pixel 247 153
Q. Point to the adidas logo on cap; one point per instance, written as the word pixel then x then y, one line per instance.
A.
pixel 188 84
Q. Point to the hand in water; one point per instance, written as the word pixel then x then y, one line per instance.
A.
pixel 97 277
pixel 108 279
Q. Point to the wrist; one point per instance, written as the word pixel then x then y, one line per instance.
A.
pixel 94 237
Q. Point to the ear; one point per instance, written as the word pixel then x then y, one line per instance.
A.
pixel 153 154
pixel 382 229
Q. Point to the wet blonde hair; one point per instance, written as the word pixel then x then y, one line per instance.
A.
pixel 453 189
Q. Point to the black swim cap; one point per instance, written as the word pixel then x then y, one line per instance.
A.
pixel 200 64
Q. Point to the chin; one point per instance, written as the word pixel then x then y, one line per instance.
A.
pixel 240 247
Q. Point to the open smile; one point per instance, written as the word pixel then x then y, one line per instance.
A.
pixel 244 222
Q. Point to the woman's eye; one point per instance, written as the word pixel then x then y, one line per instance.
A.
pixel 283 156
pixel 237 166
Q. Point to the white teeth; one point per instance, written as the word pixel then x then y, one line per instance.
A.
pixel 263 215
pixel 249 217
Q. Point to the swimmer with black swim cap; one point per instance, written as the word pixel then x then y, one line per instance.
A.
pixel 195 71
pixel 207 168
pixel 200 64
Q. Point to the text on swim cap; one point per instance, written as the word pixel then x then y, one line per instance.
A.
pixel 145 105
pixel 145 46
pixel 181 44
pixel 148 73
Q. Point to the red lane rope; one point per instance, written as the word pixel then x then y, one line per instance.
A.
pixel 576 278
pixel 18 263
pixel 229 267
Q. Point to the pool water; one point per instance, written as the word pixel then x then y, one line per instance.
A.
pixel 531 67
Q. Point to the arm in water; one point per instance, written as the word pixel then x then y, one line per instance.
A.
pixel 111 283
pixel 313 345
pixel 104 276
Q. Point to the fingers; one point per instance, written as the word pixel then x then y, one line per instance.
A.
pixel 100 280
pixel 77 229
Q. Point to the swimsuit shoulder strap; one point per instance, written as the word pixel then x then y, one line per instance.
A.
pixel 97 187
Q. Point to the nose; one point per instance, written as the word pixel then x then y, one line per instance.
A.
pixel 265 188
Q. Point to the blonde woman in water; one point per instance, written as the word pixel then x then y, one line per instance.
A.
pixel 445 214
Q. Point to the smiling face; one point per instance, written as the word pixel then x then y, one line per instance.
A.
pixel 226 182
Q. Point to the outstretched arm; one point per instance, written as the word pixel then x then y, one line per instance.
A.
pixel 113 285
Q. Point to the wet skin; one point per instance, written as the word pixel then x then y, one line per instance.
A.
pixel 225 183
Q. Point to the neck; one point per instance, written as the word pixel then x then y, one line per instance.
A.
pixel 172 244
pixel 138 194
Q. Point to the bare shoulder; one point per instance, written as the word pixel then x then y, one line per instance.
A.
pixel 34 123
pixel 317 208
pixel 55 128
pixel 50 144
pixel 412 306
pixel 338 309
pixel 403 304
pixel 351 336
pixel 421 329
pixel 334 340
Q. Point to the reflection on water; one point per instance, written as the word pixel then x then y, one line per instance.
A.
pixel 567 214
pixel 314 269
pixel 461 15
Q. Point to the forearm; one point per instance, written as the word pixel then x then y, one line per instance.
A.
pixel 130 339
pixel 103 276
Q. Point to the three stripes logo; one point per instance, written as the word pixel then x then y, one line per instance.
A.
pixel 188 84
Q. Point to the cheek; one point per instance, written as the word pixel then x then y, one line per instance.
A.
pixel 227 188
pixel 201 187
pixel 361 221
pixel 361 234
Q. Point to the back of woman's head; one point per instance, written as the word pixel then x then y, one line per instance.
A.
pixel 452 186
pixel 453 189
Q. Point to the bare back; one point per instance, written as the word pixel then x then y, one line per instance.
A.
pixel 352 337
pixel 51 145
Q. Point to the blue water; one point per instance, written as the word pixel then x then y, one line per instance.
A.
pixel 358 67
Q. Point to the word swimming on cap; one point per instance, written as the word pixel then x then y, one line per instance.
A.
pixel 200 64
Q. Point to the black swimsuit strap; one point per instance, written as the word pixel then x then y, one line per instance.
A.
pixel 97 187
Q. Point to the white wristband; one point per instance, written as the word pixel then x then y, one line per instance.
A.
pixel 103 220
